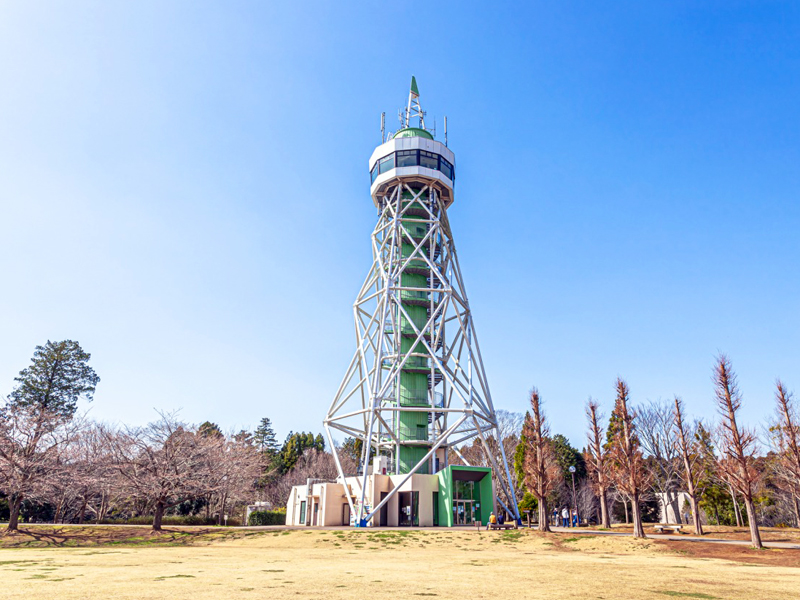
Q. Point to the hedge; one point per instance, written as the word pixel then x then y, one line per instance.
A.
pixel 267 517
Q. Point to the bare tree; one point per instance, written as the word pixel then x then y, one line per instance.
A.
pixel 509 425
pixel 83 483
pixel 597 462
pixel 32 442
pixel 539 462
pixel 786 432
pixel 629 471
pixel 313 464
pixel 161 464
pixel 691 458
pixel 655 426
pixel 231 469
pixel 738 443
pixel 587 500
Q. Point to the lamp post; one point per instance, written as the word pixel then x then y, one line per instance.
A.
pixel 574 498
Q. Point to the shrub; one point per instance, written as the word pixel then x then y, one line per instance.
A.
pixel 267 517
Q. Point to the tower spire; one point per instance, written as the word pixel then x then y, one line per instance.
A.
pixel 413 108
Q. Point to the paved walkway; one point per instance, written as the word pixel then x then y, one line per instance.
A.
pixel 680 538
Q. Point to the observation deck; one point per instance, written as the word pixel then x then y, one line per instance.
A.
pixel 413 156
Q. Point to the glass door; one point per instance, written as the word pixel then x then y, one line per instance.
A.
pixel 463 512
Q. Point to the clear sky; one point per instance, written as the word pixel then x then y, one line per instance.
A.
pixel 184 190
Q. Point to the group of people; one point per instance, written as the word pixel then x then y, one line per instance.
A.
pixel 567 518
pixel 499 519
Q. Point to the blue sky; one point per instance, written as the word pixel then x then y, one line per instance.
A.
pixel 184 190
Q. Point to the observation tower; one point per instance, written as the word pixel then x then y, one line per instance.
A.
pixel 416 387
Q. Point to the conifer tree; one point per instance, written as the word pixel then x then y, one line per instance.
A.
pixel 628 468
pixel 738 443
pixel 265 438
pixel 597 462
pixel 539 464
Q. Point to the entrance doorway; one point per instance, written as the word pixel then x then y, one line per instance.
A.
pixel 409 509
pixel 384 521
pixel 463 512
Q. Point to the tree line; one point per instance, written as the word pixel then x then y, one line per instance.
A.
pixel 58 465
pixel 732 473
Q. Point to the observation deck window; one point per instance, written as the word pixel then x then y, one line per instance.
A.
pixel 407 158
pixel 446 168
pixel 413 158
pixel 429 160
pixel 386 164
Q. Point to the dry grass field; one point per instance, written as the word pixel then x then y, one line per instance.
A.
pixel 128 563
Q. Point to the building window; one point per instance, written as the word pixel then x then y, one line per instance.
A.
pixel 429 160
pixel 407 158
pixel 446 168
pixel 413 158
pixel 386 163
pixel 465 490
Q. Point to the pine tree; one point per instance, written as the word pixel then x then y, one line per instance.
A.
pixel 58 376
pixel 265 438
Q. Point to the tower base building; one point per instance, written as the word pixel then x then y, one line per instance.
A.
pixel 456 495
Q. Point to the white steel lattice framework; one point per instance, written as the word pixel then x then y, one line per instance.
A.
pixel 416 386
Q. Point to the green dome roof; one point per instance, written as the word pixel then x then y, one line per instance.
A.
pixel 412 132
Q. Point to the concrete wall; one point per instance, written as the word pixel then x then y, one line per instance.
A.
pixel 426 485
pixel 298 494
pixel 669 505
pixel 332 499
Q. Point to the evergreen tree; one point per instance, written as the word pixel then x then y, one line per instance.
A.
pixel 568 456
pixel 46 397
pixel 209 430
pixel 265 438
pixel 294 447
pixel 58 376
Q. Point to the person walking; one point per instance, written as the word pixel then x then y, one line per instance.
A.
pixel 564 517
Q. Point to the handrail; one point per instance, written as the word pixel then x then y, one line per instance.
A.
pixel 420 398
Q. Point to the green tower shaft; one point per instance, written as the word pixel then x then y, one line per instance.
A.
pixel 414 388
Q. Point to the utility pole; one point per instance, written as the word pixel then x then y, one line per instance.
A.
pixel 574 498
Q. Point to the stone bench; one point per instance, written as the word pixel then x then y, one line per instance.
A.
pixel 667 528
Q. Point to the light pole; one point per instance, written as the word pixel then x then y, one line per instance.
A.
pixel 574 499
